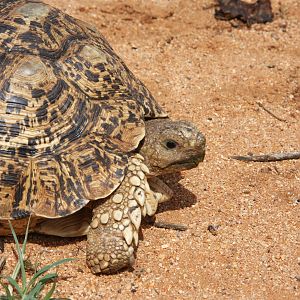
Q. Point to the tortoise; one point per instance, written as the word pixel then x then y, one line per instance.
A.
pixel 82 140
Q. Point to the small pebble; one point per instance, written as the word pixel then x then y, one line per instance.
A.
pixel 213 229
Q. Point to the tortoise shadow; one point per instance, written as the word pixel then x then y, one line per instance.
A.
pixel 182 197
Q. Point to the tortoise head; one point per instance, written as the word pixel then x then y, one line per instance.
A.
pixel 171 146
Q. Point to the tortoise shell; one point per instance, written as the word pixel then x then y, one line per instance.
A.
pixel 71 112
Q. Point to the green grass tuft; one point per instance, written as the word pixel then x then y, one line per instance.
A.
pixel 29 288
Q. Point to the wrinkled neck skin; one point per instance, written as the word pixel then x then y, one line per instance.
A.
pixel 172 146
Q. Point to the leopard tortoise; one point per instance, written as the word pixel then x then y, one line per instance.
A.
pixel 82 140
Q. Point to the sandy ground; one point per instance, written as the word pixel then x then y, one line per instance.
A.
pixel 213 74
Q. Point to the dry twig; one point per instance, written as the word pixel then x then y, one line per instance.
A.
pixel 172 226
pixel 270 113
pixel 151 220
pixel 269 157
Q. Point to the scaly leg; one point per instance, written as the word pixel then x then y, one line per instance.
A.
pixel 158 186
pixel 114 231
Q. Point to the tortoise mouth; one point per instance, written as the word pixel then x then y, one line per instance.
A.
pixel 185 164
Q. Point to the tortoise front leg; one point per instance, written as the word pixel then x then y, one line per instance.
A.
pixel 159 187
pixel 114 231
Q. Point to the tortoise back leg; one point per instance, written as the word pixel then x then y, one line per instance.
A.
pixel 114 231
pixel 73 225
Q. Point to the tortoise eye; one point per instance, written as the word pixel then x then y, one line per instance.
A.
pixel 170 144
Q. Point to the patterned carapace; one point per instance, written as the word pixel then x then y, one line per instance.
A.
pixel 71 112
